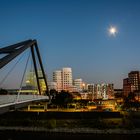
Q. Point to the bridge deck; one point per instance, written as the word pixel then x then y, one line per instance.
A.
pixel 11 101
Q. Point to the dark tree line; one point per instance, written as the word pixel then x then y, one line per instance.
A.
pixel 3 91
pixel 64 99
pixel 131 102
pixel 61 99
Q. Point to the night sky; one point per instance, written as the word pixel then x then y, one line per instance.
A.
pixel 74 33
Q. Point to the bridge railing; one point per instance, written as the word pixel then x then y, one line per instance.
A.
pixel 6 99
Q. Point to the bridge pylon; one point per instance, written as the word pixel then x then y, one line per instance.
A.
pixel 14 50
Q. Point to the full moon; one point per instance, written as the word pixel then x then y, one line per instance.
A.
pixel 112 31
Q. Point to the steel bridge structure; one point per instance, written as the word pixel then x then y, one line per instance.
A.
pixel 8 102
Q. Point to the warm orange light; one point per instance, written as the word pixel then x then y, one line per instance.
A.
pixel 83 84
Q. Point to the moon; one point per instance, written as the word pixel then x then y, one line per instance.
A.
pixel 112 31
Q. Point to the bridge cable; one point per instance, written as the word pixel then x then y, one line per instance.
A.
pixel 5 77
pixel 16 100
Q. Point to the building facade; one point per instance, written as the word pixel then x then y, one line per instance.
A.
pixel 134 77
pixel 132 83
pixel 57 78
pixel 66 78
pixel 63 79
pixel 101 91
pixel 126 86
pixel 78 83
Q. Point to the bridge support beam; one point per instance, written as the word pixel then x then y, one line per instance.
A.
pixel 29 108
pixel 45 106
pixel 35 67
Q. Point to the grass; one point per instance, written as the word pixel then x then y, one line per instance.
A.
pixel 70 123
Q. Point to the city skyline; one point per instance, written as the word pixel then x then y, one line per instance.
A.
pixel 74 33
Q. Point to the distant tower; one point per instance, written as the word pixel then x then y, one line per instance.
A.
pixel 134 77
pixel 103 91
pixel 109 91
pixel 132 83
pixel 126 86
pixel 78 83
pixel 57 78
pixel 66 78
pixel 98 91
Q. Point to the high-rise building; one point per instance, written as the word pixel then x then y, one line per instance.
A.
pixel 98 91
pixel 126 86
pixel 90 88
pixel 63 79
pixel 66 78
pixel 57 78
pixel 110 91
pixel 79 84
pixel 132 83
pixel 101 91
pixel 134 77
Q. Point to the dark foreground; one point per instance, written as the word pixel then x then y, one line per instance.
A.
pixel 20 135
pixel 69 126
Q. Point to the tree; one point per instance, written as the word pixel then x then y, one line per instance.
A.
pixel 3 91
pixel 131 102
pixel 62 99
pixel 53 93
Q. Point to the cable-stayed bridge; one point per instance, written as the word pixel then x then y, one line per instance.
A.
pixel 14 101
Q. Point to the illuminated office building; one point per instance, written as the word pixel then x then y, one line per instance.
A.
pixel 66 78
pixel 78 83
pixel 132 83
pixel 63 78
pixel 57 78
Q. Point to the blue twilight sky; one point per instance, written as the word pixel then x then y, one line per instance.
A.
pixel 74 33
